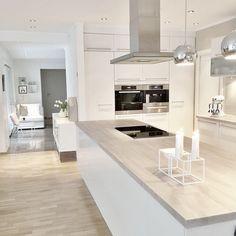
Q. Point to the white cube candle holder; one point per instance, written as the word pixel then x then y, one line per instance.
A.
pixel 184 170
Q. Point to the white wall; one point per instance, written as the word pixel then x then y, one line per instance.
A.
pixel 4 136
pixel 31 70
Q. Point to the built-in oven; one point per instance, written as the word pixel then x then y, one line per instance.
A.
pixel 129 99
pixel 156 98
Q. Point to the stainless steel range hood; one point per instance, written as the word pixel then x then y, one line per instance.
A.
pixel 144 35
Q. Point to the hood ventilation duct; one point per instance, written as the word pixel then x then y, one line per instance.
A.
pixel 144 35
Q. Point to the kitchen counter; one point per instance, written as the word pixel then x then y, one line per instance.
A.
pixel 211 202
pixel 226 118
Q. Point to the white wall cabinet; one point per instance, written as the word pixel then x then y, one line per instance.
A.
pixel 99 75
pixel 98 42
pixel 127 73
pixel 122 43
pixel 181 98
pixel 155 73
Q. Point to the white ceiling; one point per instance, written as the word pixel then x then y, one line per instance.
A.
pixel 58 15
pixel 19 50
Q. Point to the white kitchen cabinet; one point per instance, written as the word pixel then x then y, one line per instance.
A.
pixel 98 42
pixel 99 74
pixel 122 43
pixel 209 131
pixel 181 98
pixel 227 135
pixel 127 73
pixel 165 43
pixel 207 86
pixel 155 73
pixel 158 120
pixel 138 117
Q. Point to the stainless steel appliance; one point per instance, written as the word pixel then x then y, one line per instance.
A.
pixel 156 98
pixel 128 99
pixel 144 35
pixel 143 131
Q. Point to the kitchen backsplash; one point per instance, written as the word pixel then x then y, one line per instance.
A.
pixel 230 95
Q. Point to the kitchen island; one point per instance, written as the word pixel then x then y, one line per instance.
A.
pixel 136 199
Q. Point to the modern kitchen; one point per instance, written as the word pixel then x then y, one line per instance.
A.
pixel 156 150
pixel 144 140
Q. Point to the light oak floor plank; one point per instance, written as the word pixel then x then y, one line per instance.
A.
pixel 41 196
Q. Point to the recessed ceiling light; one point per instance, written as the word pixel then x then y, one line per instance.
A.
pixel 196 23
pixel 191 11
pixel 104 19
pixel 167 22
pixel 32 20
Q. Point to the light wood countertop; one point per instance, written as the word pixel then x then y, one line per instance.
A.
pixel 226 118
pixel 201 204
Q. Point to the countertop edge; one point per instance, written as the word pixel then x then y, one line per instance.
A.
pixel 220 119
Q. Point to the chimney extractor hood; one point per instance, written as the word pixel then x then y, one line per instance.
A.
pixel 223 67
pixel 144 35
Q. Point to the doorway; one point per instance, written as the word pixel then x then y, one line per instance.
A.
pixel 53 83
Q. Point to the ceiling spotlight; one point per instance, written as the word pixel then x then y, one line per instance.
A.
pixel 167 22
pixel 104 19
pixel 32 20
pixel 191 11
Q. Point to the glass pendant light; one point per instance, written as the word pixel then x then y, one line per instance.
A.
pixel 228 46
pixel 184 54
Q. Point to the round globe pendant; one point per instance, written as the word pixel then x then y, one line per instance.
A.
pixel 184 55
pixel 228 46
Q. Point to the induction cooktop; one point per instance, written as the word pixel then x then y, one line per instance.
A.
pixel 143 131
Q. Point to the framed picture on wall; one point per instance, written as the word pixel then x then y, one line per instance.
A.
pixel 3 83
pixel 22 89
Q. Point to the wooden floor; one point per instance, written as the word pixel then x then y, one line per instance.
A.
pixel 40 196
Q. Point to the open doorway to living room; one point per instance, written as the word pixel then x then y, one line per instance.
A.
pixel 27 105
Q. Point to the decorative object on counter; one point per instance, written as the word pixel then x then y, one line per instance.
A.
pixel 185 170
pixel 22 80
pixel 184 167
pixel 22 89
pixel 184 54
pixel 63 108
pixel 228 46
pixel 179 144
pixel 216 106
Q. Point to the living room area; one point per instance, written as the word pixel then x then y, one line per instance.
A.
pixel 33 80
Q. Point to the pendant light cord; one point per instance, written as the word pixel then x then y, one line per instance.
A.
pixel 185 27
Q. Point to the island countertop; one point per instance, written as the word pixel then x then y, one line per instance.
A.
pixel 210 202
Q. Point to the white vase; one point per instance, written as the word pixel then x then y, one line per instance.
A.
pixel 62 113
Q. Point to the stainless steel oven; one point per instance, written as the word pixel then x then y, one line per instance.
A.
pixel 156 98
pixel 129 99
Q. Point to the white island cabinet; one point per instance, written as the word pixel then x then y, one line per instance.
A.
pixel 135 200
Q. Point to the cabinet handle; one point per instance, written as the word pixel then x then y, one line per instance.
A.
pixel 104 104
pixel 177 102
pixel 127 79
pixel 100 49
pixel 208 121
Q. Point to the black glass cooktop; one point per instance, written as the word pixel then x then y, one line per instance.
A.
pixel 143 131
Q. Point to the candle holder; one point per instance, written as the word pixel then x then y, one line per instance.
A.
pixel 184 170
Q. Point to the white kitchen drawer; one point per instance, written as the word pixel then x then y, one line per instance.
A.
pixel 158 120
pixel 131 116
pixel 227 136
pixel 98 42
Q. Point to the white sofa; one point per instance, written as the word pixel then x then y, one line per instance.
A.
pixel 33 117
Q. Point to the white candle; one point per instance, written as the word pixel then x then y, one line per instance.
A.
pixel 179 144
pixel 195 145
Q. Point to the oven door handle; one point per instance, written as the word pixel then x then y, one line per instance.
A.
pixel 129 91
